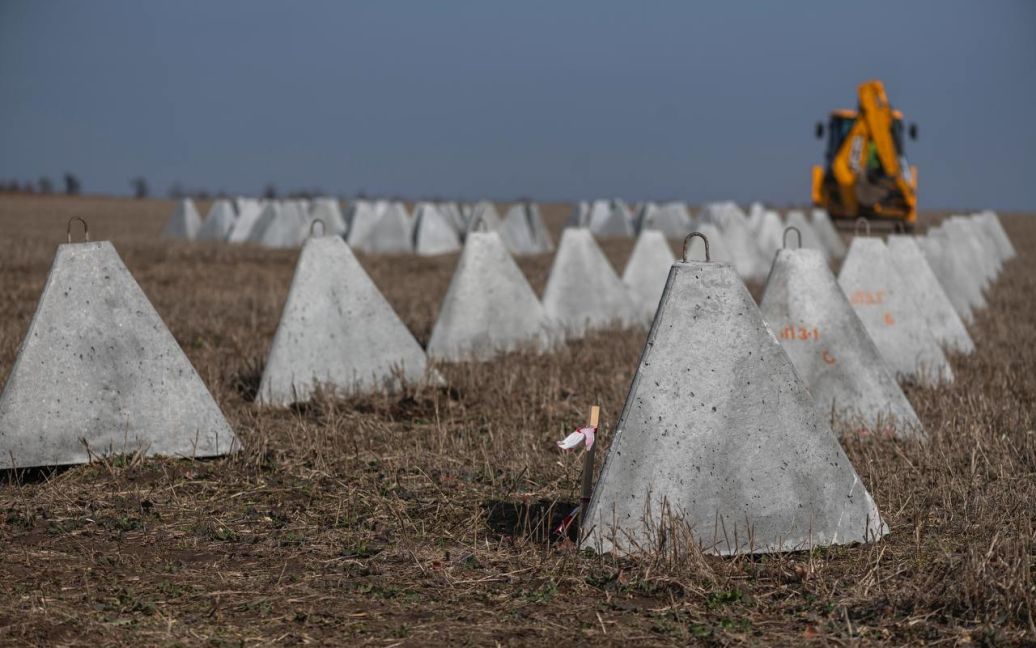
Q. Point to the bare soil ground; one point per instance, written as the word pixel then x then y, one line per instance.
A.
pixel 421 518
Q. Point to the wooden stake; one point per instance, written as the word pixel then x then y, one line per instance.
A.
pixel 588 469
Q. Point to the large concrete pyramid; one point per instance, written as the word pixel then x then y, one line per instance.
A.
pixel 490 308
pixel 875 288
pixel 647 269
pixel 433 232
pixel 828 235
pixel 218 223
pixel 718 433
pixel 928 295
pixel 99 373
pixel 247 217
pixel 583 292
pixel 336 332
pixel 184 223
pixel 831 349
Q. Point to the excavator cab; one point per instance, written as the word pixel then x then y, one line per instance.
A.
pixel 865 171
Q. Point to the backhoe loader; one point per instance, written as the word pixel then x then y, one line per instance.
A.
pixel 865 172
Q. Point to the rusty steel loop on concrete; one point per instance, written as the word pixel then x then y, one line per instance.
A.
pixel 866 222
pixel 784 238
pixel 86 229
pixel 323 227
pixel 687 246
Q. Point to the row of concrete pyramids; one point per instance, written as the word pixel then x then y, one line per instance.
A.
pixel 724 431
pixel 374 227
pixel 337 332
pixel 770 476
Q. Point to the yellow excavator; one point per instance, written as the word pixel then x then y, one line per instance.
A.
pixel 865 172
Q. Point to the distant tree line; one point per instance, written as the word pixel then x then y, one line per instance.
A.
pixel 43 186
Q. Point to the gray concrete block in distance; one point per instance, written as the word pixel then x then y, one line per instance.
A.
pixel 718 429
pixel 829 236
pixel 391 232
pixel 928 295
pixel 490 308
pixel 247 217
pixel 516 232
pixel 992 222
pixel 769 235
pixel 184 223
pixel 433 232
pixel 647 269
pixel 831 349
pixel 583 292
pixel 810 240
pixel 960 254
pixel 337 332
pixel 871 281
pixel 218 223
pixel 946 271
pixel 98 365
pixel 327 211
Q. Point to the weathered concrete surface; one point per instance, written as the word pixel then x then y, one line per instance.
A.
pixel 875 289
pixel 360 218
pixel 247 218
pixel 523 231
pixel 718 428
pixel 453 212
pixel 540 233
pixel 744 251
pixel 433 232
pixel 489 309
pixel 831 349
pixel 988 255
pixel 924 288
pixel 647 269
pixel 828 235
pixel 184 223
pixel 971 250
pixel 218 223
pixel 810 240
pixel 947 272
pixel 484 217
pixel 98 365
pixel 609 218
pixel 390 233
pixel 583 292
pixel 337 332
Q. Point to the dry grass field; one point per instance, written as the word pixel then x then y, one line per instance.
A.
pixel 421 518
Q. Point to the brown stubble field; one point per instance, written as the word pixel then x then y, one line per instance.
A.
pixel 419 518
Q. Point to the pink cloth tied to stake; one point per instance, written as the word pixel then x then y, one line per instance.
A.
pixel 579 436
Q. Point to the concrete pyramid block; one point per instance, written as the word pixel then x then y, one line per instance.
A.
pixel 184 223
pixel 756 211
pixel 218 223
pixel 718 433
pixel 247 218
pixel 970 253
pixel 540 233
pixel 456 217
pixel 928 295
pixel 337 332
pixel 672 219
pixel 360 218
pixel 947 271
pixel 647 269
pixel 583 292
pixel 280 226
pixel 327 211
pixel 517 233
pixel 433 232
pixel 747 258
pixel 992 222
pixel 610 218
pixel 390 233
pixel 830 347
pixel 770 234
pixel 871 280
pixel 490 308
pixel 98 369
pixel 989 255
pixel 810 241
pixel 828 235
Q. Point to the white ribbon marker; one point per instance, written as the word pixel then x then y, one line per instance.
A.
pixel 579 436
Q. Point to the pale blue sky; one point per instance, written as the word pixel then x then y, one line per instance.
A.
pixel 555 100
